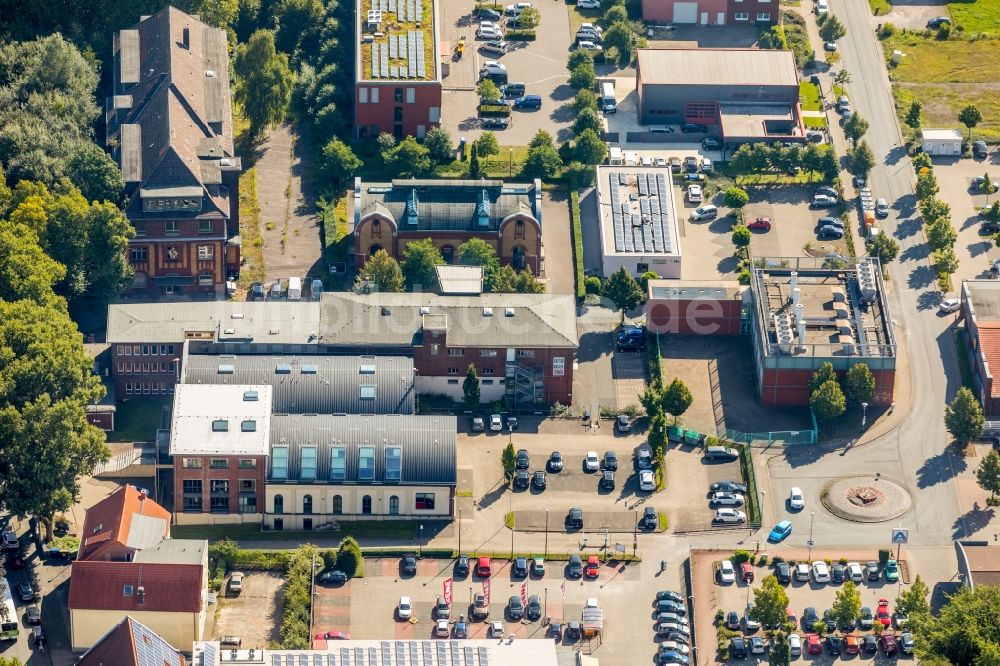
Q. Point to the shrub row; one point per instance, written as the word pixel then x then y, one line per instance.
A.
pixel 494 110
pixel 577 229
pixel 296 611
pixel 520 35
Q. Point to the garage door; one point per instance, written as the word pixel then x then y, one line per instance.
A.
pixel 685 12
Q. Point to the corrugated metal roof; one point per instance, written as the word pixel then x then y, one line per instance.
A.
pixel 314 384
pixel 715 67
pixel 393 319
pixel 427 443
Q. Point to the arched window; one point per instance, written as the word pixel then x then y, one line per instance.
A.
pixel 393 505
pixel 366 505
pixel 279 504
pixel 338 504
pixel 517 257
pixel 307 504
pixel 373 249
pixel 448 253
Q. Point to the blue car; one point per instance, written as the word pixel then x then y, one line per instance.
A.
pixel 780 531
pixel 528 102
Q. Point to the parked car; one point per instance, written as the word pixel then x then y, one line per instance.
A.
pixel 607 480
pixel 725 453
pixel 334 577
pixel 888 642
pixel 829 620
pixel 591 463
pixel 979 182
pixel 480 609
pixel 555 631
pixel 727 572
pixel 881 208
pixel 820 571
pixel 404 610
pixel 538 480
pixel 949 305
pixel 802 572
pixel 837 573
pixel 462 566
pixel 979 149
pixel 555 462
pixel 588 4
pixel 496 423
pixel 760 224
pixel 813 645
pixel 669 594
pixel 728 487
pixel 726 499
pixel 574 519
pixel 496 629
pixel 694 193
pixel 829 221
pixel 408 564
pixel 484 567
pixel 495 123
pixel 256 292
pixel 732 620
pixel 794 645
pixel 671 606
pixel 528 102
pixel 937 22
pixel 610 461
pixel 823 201
pixel 834 644
pixel 737 648
pixel 796 500
pixel 588 45
pixel 533 610
pixel 854 572
pixel 892 571
pixel 783 573
pixel 729 516
pixel 644 457
pixel 593 568
pixel 702 213
pixel 852 644
pixel 489 14
pixel 871 570
pixel 757 645
pixel 780 532
pixel 236 582
pixel 809 618
pixel 623 423
pixel 491 32
pixel 32 615
pixel 522 479
pixel 496 47
pixel 574 569
pixel 515 609
pixel 694 128
pixel 647 482
pixel 746 572
pixel 520 567
pixel 711 143
pixel 25 592
pixel 906 642
pixel 830 47
pixel 882 612
pixel 830 232
pixel 814 136
pixel 538 567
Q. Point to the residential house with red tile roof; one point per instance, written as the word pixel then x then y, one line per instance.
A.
pixel 981 310
pixel 131 643
pixel 129 566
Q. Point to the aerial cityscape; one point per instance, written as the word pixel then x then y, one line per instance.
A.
pixel 672 320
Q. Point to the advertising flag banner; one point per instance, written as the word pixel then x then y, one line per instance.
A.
pixel 524 593
pixel 486 590
pixel 447 590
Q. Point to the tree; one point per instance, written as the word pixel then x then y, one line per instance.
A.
pixel 824 374
pixel 988 474
pixel 736 198
pixel 769 602
pixel 884 247
pixel 509 459
pixel 487 91
pixel 847 604
pixel 475 170
pixel 583 76
pixel 741 237
pixel 622 290
pixel 350 559
pixel 913 114
pixel 470 388
pixel 529 18
pixel 963 418
pixel 855 127
pixel 26 272
pixel 386 142
pixel 946 261
pixel 941 235
pixel 970 117
pixel 676 398
pixel 934 209
pixel 486 145
pixel 263 81
pixel 477 252
pixel 828 402
pixel 46 441
pixel 861 160
pixel 859 384
pixel 987 187
pixel 842 78
pixel 382 270
pixel 527 284
pixel 828 163
pixel 338 163
pixel 504 280
pixel 927 186
pixel 658 430
pixel 409 159
pixel 439 145
pixel 780 653
pixel 621 37
pixel 966 630
pixel 913 601
pixel 542 162
pixel 579 57
pixel 588 119
pixel 217 13
pixel 585 99
pixel 589 148
pixel 615 13
pixel 419 259
pixel 832 29
pixel 96 174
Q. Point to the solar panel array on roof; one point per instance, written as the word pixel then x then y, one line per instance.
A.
pixel 647 230
pixel 420 11
pixel 393 43
pixel 421 69
pixel 385 62
pixel 375 59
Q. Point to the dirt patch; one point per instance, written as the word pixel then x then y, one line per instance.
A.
pixel 255 615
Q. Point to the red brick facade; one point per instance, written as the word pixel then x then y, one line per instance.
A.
pixel 700 316
pixel 144 369
pixel 400 108
pixel 219 484
pixel 785 388
pixel 753 12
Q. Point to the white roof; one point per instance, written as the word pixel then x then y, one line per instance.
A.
pixel 197 426
pixel 638 214
pixel 941 134
pixel 460 279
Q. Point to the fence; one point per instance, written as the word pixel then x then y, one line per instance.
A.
pixel 750 477
pixel 786 437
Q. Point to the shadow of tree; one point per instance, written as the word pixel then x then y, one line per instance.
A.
pixel 493 495
pixel 250 147
pixel 921 277
pixel 928 300
pixel 971 522
pixel 908 228
pixel 915 252
pixel 970 221
pixel 978 248
pixel 940 468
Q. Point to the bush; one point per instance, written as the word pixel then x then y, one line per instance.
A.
pixel 297 592
pixel 740 556
pixel 494 110
pixel 576 227
pixel 778 559
pixel 329 558
pixel 520 35
pixel 886 31
pixel 350 559
pixel 762 560
pixel 593 284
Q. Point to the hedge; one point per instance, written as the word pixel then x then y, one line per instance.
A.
pixel 296 612
pixel 520 35
pixel 576 227
pixel 494 110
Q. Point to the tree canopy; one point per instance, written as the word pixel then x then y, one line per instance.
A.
pixel 676 398
pixel 964 417
pixel 263 81
pixel 965 631
pixel 622 290
pixel 382 270
pixel 828 402
pixel 419 259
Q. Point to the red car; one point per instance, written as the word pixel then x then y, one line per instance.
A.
pixel 484 567
pixel 334 636
pixel 746 572
pixel 593 568
pixel 852 644
pixel 882 613
pixel 790 616
pixel 760 224
pixel 888 641
pixel 813 646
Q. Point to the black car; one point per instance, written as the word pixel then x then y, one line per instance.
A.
pixel 574 519
pixel 334 577
pixel 837 573
pixel 937 22
pixel 256 292
pixel 573 630
pixel 834 644
pixel 814 137
pixel 520 568
pixel 737 648
pixel 830 620
pixel 408 564
pixel 980 149
pixel 538 480
pixel 523 461
pixel 534 610
pixel 728 487
pixel 490 14
pixel 575 567
pixel 555 463
pixel 610 461
pixel 522 479
pixel 25 592
pixel 783 573
pixel 32 615
pixel 608 480
pixel 495 123
pixel 515 609
pixel 462 565
pixel 649 518
pixel 809 619
pixel 711 143
pixel 869 644
pixel 671 595
pixel 694 128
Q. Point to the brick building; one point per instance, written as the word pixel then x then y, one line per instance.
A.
pixel 692 307
pixel 981 311
pixel 712 12
pixel 170 126
pixel 397 87
pixel 508 216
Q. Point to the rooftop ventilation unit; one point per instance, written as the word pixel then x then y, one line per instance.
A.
pixel 508 312
pixel 424 310
pixel 487 312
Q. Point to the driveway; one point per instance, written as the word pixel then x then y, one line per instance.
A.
pixel 560 270
pixel 255 614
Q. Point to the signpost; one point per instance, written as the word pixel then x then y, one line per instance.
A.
pixel 899 537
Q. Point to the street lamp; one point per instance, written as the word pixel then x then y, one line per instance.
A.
pixel 510 163
pixel 812 517
pixel 459 531
pixel 546 603
pixel 546 532
pixel 864 414
pixel 420 542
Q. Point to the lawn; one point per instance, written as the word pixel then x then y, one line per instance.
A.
pixel 809 97
pixel 138 420
pixel 976 16
pixel 382 529
pixel 879 7
pixel 578 17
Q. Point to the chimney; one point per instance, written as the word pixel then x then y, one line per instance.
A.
pixel 802 332
pixel 796 293
pixel 141 592
pixel 800 314
pixel 794 280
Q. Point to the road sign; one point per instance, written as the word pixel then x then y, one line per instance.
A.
pixel 448 583
pixel 900 535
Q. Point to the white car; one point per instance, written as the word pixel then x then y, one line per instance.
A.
pixel 795 645
pixel 590 26
pixel 661 161
pixel 496 629
pixel 802 572
pixel 405 609
pixel 694 193
pixel 591 463
pixel 822 7
pixel 489 33
pixel 441 629
pixel 726 499
pixel 588 4
pixel 795 499
pixel 589 46
pixel 727 572
pixel 949 305
pixel 674 646
pixel 493 67
pixel 591 603
pixel 729 516
pixel 820 572
pixel 855 572
pixel 496 423
pixel 516 9
pixel 646 481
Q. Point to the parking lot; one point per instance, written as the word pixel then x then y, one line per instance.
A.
pixel 711 596
pixel 254 615
pixel 794 223
pixel 540 64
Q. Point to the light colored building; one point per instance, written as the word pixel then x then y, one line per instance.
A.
pixel 638 220
pixel 458 280
pixel 131 643
pixel 941 142
pixel 981 312
pixel 978 563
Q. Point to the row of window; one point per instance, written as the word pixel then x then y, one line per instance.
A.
pixel 148 388
pixel 145 350
pixel 743 16
pixel 143 368
pixel 218 499
pixel 338 463
pixel 484 382
pixel 219 463
pixel 422 502
pixel 140 255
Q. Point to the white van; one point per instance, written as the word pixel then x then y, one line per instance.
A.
pixel 608 102
pixel 294 289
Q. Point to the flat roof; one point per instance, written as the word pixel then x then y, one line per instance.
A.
pixel 397 40
pixel 983 299
pixel 464 280
pixel 691 289
pixel 718 67
pixel 265 322
pixel 751 120
pixel 637 211
pixel 982 562
pixel 941 134
pixel 225 420
pixel 173 551
pixel 822 307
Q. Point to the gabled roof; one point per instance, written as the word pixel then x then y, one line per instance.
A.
pixel 126 518
pixel 136 586
pixel 131 643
